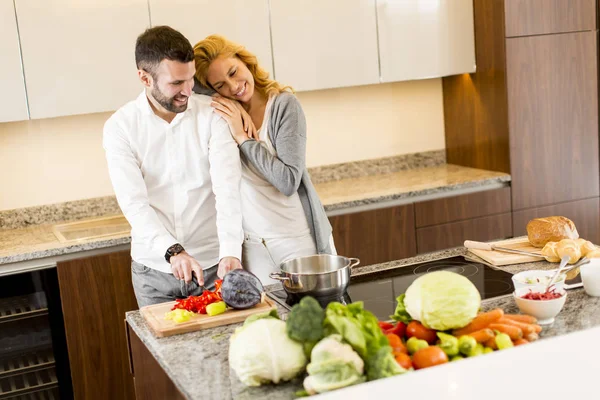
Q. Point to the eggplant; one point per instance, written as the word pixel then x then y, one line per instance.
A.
pixel 241 289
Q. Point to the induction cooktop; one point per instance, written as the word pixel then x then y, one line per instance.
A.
pixel 379 290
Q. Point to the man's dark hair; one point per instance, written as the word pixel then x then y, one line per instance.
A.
pixel 159 43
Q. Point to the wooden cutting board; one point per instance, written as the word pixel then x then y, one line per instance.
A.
pixel 91 229
pixel 501 258
pixel 161 327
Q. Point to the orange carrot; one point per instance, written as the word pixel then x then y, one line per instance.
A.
pixel 527 319
pixel 491 343
pixel 482 335
pixel 512 331
pixel 519 342
pixel 526 328
pixel 481 321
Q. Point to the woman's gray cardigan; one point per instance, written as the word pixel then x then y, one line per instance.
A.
pixel 287 171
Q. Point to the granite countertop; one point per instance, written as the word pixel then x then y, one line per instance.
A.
pixel 199 360
pixel 32 237
pixel 39 241
pixel 407 184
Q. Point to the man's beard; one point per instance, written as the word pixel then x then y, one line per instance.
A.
pixel 167 102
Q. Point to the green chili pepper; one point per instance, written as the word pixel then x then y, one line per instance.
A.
pixel 466 344
pixel 448 343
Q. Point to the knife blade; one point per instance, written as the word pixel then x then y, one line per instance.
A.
pixel 471 244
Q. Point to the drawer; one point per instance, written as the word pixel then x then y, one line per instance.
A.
pixel 539 17
pixel 457 208
pixel 445 236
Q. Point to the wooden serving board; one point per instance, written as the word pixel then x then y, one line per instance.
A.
pixel 161 327
pixel 500 258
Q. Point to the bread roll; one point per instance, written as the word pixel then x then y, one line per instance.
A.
pixel 568 247
pixel 585 246
pixel 549 251
pixel 593 254
pixel 550 229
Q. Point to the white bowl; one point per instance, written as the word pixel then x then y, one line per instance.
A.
pixel 543 310
pixel 519 280
pixel 590 276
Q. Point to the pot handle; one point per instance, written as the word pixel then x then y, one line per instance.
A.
pixel 353 262
pixel 280 276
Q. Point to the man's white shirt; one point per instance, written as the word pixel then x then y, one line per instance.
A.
pixel 176 182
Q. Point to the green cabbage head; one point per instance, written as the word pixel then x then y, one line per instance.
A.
pixel 442 300
pixel 261 352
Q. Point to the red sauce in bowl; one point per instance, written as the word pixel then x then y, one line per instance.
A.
pixel 549 294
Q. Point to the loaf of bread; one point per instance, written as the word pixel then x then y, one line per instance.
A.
pixel 550 229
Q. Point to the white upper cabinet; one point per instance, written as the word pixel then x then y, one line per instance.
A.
pixel 78 56
pixel 421 39
pixel 319 44
pixel 14 105
pixel 243 21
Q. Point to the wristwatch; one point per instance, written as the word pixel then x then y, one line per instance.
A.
pixel 173 251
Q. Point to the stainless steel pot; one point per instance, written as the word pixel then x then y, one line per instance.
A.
pixel 321 275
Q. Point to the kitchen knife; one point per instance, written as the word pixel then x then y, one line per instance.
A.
pixel 471 244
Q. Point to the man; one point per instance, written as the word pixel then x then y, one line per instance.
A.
pixel 175 170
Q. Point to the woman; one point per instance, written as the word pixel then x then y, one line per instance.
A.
pixel 282 215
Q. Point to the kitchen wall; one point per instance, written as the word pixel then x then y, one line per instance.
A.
pixel 61 159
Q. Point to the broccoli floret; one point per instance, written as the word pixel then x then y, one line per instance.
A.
pixel 382 364
pixel 305 321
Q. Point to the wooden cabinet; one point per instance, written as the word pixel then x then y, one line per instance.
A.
pixel 11 73
pixel 376 236
pixel 448 222
pixel 243 21
pixel 95 293
pixel 444 236
pixel 319 44
pixel 467 206
pixel 584 213
pixel 531 109
pixel 419 40
pixel 151 381
pixel 553 118
pixel 538 17
pixel 79 56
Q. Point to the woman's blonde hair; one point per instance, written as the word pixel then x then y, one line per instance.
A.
pixel 215 46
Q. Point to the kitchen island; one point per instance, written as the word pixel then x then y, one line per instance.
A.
pixel 197 364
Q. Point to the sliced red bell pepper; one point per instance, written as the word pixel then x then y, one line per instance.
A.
pixel 198 304
pixel 385 325
pixel 399 329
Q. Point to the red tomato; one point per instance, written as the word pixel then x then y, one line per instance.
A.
pixel 404 360
pixel 415 328
pixel 428 357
